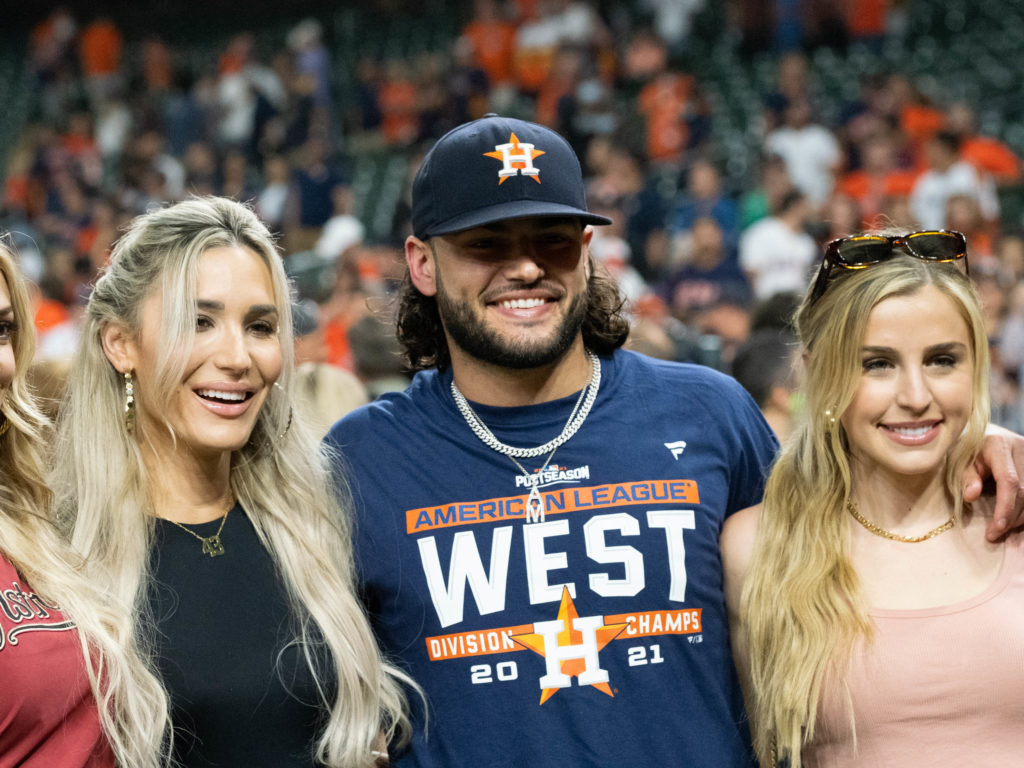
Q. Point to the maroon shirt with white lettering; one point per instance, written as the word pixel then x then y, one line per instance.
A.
pixel 48 716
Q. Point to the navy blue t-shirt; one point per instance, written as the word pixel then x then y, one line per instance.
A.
pixel 597 637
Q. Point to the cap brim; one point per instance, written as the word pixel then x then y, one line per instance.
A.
pixel 517 209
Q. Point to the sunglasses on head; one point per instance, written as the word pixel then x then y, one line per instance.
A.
pixel 860 251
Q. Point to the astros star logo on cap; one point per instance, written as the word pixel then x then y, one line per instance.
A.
pixel 455 190
pixel 516 158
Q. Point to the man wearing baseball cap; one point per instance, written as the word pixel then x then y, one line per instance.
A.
pixel 537 515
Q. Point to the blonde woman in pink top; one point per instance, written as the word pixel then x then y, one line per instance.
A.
pixel 873 622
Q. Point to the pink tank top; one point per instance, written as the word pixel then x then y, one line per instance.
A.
pixel 937 687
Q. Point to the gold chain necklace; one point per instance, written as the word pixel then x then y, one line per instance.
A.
pixel 852 507
pixel 212 545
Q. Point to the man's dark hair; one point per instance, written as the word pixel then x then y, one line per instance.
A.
pixel 425 346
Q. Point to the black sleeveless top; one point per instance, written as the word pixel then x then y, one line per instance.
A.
pixel 241 696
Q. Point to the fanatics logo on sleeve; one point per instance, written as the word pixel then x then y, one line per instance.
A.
pixel 516 158
pixel 676 448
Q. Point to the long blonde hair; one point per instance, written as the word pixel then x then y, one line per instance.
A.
pixel 281 476
pixel 131 702
pixel 802 604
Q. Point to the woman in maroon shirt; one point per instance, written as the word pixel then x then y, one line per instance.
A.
pixel 62 644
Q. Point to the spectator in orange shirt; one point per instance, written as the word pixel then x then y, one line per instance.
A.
pixel 346 304
pixel 918 119
pixel 866 21
pixel 100 45
pixel 398 104
pixel 236 55
pixel 536 44
pixel 562 80
pixel 77 140
pixel 665 102
pixel 525 10
pixel 987 154
pixel 963 214
pixel 156 64
pixel 877 180
pixel 558 23
pixel 494 41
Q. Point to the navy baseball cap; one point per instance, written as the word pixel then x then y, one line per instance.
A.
pixel 497 168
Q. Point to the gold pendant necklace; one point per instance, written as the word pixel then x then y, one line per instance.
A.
pixel 212 545
pixel 878 531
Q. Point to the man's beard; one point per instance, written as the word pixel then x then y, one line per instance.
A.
pixel 468 330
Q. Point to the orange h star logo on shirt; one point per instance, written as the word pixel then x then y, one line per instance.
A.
pixel 516 158
pixel 570 646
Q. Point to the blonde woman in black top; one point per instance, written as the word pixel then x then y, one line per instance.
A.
pixel 213 514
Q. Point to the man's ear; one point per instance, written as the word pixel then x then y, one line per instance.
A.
pixel 420 260
pixel 119 346
pixel 588 259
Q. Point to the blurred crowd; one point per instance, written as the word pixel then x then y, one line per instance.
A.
pixel 711 269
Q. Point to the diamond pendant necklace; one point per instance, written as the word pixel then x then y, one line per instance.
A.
pixel 580 411
pixel 535 502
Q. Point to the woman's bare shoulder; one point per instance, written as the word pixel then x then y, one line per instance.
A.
pixel 737 543
pixel 740 529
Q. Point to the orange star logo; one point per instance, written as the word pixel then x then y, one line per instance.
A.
pixel 570 638
pixel 516 158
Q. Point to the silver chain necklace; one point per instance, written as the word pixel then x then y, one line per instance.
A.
pixel 580 411
pixel 579 414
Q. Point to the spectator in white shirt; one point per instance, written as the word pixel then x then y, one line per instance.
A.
pixel 776 253
pixel 811 153
pixel 947 176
